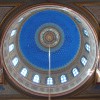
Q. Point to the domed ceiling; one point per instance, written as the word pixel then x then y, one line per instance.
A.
pixel 49 28
pixel 49 49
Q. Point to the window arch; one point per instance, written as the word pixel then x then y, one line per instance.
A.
pixel 83 61
pixel 36 79
pixel 15 61
pixel 24 72
pixel 75 72
pixel 49 81
pixel 11 47
pixel 20 20
pixel 87 47
pixel 77 19
pixel 13 32
pixel 63 78
pixel 85 32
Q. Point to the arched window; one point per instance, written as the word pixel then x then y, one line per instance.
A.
pixel 11 47
pixel 87 47
pixel 24 72
pixel 75 72
pixel 63 79
pixel 13 33
pixel 15 61
pixel 85 32
pixel 36 79
pixel 83 61
pixel 77 19
pixel 49 81
pixel 20 19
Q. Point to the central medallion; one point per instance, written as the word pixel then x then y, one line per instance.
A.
pixel 49 37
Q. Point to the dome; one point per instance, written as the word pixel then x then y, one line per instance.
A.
pixel 49 49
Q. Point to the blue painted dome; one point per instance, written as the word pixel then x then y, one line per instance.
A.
pixel 37 27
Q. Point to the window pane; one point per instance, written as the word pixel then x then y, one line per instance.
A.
pixel 63 79
pixel 13 32
pixel 15 61
pixel 20 19
pixel 77 19
pixel 85 32
pixel 11 47
pixel 75 72
pixel 87 47
pixel 24 72
pixel 36 79
pixel 49 81
pixel 83 61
